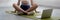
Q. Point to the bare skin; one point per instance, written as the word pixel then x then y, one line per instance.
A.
pixel 16 6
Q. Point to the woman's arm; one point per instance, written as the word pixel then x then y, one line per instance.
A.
pixel 31 2
pixel 18 2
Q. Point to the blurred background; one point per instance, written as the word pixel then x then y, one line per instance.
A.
pixel 49 3
pixel 8 5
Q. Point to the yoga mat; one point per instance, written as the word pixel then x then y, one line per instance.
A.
pixel 27 16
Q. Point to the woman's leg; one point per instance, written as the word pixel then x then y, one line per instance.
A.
pixel 34 6
pixel 16 7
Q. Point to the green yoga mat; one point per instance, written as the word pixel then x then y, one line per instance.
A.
pixel 27 16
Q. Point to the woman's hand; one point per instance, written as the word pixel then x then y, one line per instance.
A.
pixel 26 12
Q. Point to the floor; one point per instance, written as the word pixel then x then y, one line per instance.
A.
pixel 5 16
pixel 5 6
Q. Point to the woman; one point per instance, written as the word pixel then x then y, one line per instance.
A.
pixel 25 7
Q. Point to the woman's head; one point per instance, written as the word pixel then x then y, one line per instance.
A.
pixel 24 2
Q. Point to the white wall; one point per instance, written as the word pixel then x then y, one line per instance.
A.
pixel 54 3
pixel 7 3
